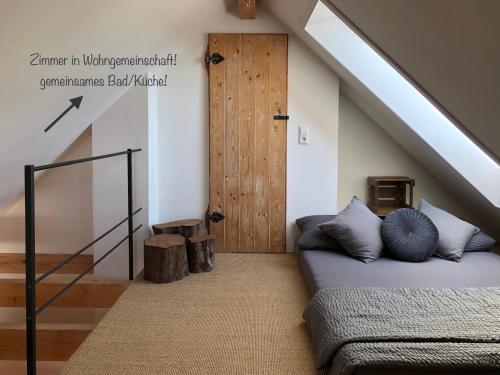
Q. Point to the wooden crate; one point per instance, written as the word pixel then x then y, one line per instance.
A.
pixel 388 193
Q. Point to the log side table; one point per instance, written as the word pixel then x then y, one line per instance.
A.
pixel 186 228
pixel 165 258
pixel 201 253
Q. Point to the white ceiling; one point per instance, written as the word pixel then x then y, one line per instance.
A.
pixel 451 47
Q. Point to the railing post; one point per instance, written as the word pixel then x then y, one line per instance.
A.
pixel 130 217
pixel 29 205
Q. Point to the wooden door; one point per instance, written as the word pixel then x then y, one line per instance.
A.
pixel 247 144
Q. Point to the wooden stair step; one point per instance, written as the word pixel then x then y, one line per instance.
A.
pixel 54 315
pixel 55 342
pixel 42 367
pixel 15 263
pixel 88 292
pixel 58 278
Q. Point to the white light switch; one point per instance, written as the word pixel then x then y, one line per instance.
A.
pixel 304 135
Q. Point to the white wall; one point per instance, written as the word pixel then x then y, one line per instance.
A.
pixel 125 28
pixel 183 128
pixel 124 125
pixel 63 206
pixel 313 98
pixel 129 27
pixel 114 28
pixel 366 150
pixel 153 193
pixel 479 210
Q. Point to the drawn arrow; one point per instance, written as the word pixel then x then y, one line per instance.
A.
pixel 75 102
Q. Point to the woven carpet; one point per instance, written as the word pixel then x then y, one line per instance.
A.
pixel 245 317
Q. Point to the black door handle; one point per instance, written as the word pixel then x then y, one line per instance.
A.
pixel 281 117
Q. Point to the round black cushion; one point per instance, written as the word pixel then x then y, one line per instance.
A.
pixel 410 235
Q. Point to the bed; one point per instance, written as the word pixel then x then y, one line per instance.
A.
pixel 328 269
pixel 336 272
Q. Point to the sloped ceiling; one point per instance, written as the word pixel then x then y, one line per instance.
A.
pixel 451 47
pixel 114 28
pixel 127 27
pixel 295 13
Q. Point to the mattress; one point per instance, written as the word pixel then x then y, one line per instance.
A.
pixel 328 269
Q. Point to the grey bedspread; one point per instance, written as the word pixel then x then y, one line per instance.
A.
pixel 405 327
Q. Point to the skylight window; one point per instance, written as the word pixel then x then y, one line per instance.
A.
pixel 401 97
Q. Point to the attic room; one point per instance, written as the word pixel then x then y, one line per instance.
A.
pixel 250 187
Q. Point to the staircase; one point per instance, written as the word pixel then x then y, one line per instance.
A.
pixel 63 326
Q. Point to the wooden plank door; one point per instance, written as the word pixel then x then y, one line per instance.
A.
pixel 247 144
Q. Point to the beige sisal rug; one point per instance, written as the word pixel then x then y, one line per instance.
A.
pixel 245 317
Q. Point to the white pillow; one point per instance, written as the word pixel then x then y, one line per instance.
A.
pixel 454 233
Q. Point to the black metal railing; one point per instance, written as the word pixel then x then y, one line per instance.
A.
pixel 32 280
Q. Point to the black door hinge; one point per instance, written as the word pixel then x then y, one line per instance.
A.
pixel 214 58
pixel 215 216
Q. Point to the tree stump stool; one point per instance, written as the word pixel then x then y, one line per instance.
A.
pixel 186 228
pixel 201 253
pixel 165 258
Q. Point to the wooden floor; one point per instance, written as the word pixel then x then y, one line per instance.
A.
pixel 245 317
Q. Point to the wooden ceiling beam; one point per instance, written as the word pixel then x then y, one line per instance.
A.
pixel 247 9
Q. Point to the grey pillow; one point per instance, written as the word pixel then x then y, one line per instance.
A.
pixel 454 233
pixel 358 231
pixel 410 235
pixel 312 237
pixel 480 242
